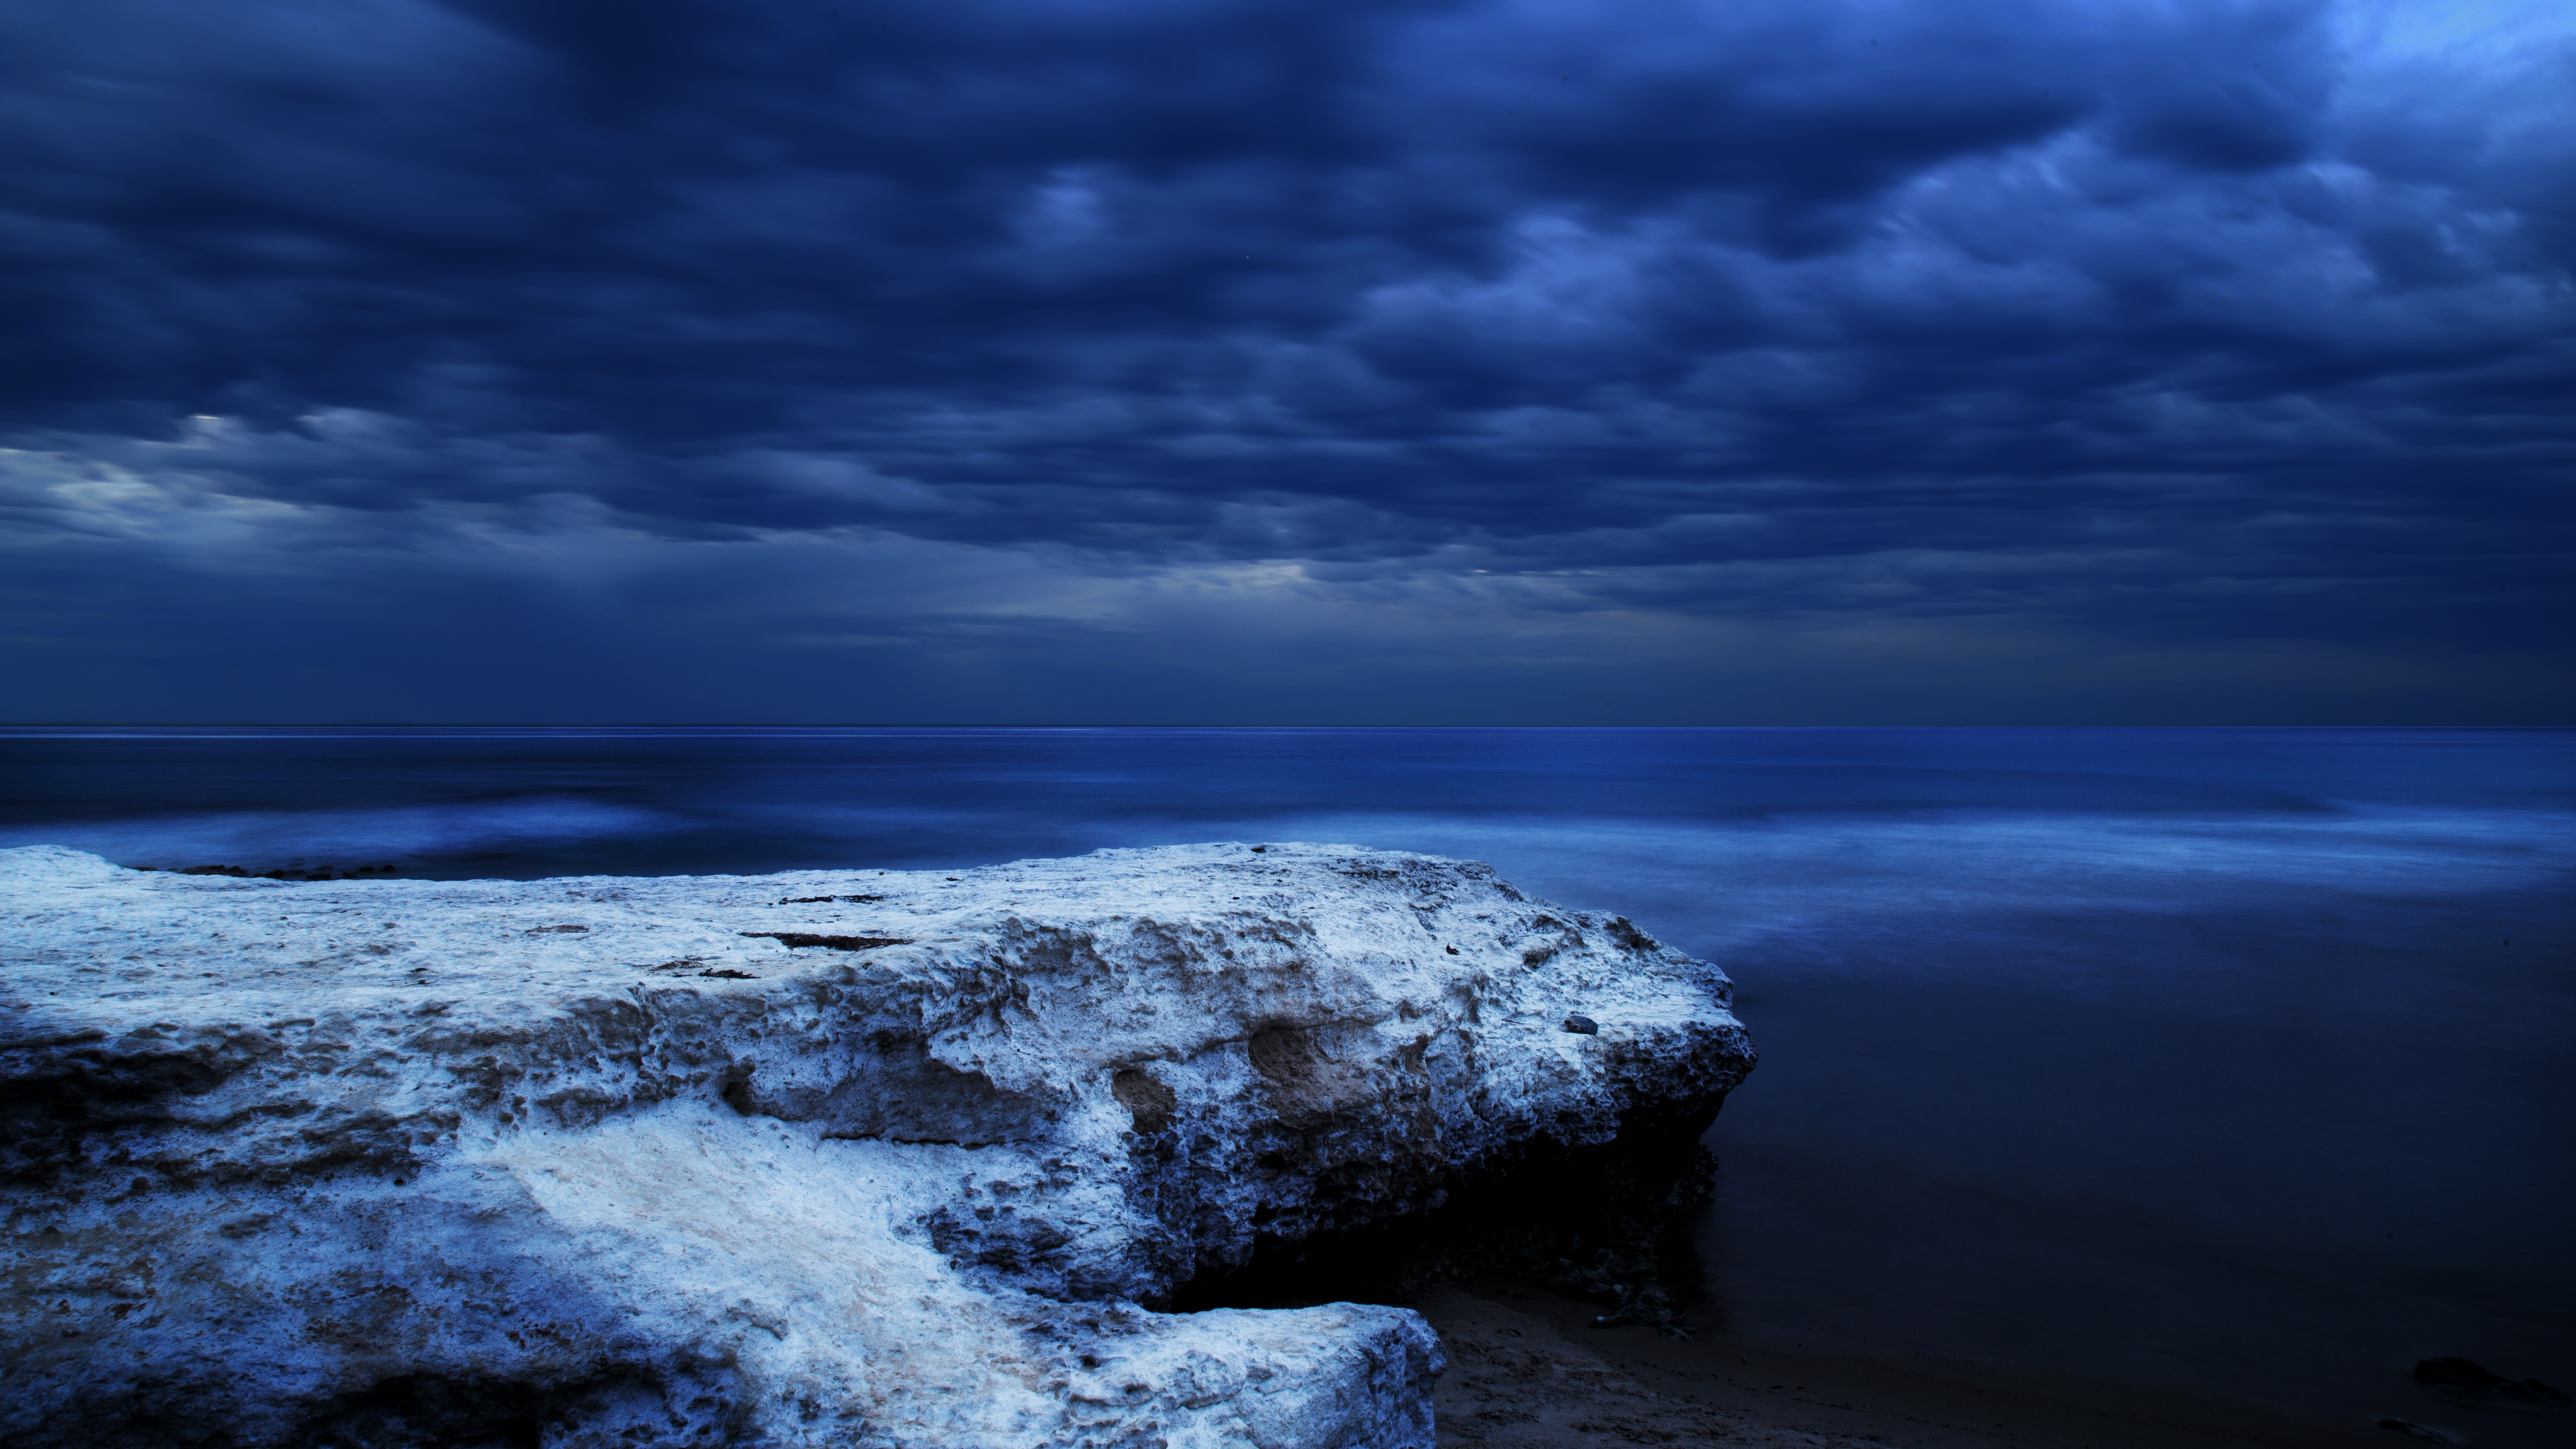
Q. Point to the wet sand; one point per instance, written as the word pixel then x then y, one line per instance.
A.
pixel 1527 1370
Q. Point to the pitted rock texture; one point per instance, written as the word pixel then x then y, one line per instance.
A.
pixel 820 1158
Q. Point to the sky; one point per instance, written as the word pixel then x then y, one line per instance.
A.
pixel 1288 361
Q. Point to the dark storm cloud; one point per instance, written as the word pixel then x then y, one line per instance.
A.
pixel 2245 323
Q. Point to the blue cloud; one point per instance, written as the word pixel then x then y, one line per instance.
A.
pixel 2181 330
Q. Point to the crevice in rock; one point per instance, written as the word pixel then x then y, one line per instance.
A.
pixel 1609 1223
pixel 793 939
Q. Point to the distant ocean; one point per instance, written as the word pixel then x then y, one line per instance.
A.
pixel 2233 1060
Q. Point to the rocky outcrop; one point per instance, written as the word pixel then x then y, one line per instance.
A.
pixel 845 1158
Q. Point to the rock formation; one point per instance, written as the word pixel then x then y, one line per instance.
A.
pixel 821 1158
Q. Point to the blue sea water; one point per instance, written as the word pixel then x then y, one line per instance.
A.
pixel 2241 1061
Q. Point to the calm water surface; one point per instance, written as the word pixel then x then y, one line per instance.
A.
pixel 2233 1060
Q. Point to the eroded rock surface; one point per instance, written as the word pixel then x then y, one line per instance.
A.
pixel 828 1157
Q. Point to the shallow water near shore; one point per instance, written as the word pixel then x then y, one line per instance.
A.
pixel 2230 1062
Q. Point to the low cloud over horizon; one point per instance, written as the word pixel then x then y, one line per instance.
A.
pixel 1024 361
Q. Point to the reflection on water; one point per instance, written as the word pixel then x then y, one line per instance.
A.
pixel 2225 1059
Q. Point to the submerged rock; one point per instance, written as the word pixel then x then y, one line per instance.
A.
pixel 828 1157
pixel 2464 1381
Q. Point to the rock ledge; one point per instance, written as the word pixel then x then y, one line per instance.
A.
pixel 822 1158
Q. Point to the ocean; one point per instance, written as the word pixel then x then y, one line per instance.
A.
pixel 2234 1061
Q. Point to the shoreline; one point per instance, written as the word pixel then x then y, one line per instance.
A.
pixel 1527 1370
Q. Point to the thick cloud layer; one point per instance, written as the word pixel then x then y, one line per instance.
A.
pixel 1237 359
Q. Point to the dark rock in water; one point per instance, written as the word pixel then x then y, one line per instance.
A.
pixel 1583 1025
pixel 2463 1382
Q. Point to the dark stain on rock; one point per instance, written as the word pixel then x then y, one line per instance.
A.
pixel 52 1118
pixel 1285 1055
pixel 1309 1079
pixel 1002 1239
pixel 1148 1102
pixel 418 1411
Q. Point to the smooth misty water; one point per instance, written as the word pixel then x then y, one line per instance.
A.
pixel 2236 1060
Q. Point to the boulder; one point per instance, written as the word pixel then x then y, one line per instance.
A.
pixel 819 1158
pixel 2473 1385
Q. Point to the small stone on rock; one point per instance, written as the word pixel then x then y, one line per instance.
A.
pixel 1582 1025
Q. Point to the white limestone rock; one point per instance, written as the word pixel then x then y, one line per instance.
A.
pixel 820 1158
